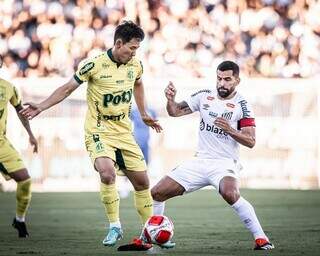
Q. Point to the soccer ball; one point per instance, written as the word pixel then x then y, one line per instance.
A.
pixel 158 229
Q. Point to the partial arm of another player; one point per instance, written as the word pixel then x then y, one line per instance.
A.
pixel 246 136
pixel 25 123
pixel 58 95
pixel 173 108
pixel 140 101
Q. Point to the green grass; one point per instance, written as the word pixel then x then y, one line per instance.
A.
pixel 73 224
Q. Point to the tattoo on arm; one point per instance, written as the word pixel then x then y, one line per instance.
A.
pixel 183 108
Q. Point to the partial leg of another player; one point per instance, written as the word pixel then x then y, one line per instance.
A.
pixel 23 197
pixel 229 190
pixel 165 189
pixel 110 199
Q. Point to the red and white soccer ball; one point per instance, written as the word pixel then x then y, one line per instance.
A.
pixel 158 229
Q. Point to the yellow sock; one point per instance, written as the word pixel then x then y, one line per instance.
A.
pixel 23 196
pixel 144 204
pixel 111 201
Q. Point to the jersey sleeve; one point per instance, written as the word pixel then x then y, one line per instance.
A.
pixel 86 69
pixel 195 99
pixel 15 99
pixel 246 116
pixel 140 71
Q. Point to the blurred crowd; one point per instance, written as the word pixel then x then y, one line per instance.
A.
pixel 270 38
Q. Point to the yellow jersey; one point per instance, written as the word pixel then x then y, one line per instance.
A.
pixel 109 93
pixel 7 93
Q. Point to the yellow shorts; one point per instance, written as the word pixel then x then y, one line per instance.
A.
pixel 10 160
pixel 122 149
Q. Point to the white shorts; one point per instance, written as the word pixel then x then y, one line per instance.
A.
pixel 198 173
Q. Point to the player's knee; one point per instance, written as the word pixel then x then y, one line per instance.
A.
pixel 20 175
pixel 157 194
pixel 140 181
pixel 231 195
pixel 107 176
pixel 138 186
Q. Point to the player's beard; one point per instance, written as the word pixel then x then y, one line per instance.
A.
pixel 223 92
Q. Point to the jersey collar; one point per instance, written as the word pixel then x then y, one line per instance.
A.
pixel 109 53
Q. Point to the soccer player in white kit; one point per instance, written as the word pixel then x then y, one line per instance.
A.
pixel 226 120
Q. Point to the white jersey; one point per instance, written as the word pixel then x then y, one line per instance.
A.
pixel 214 143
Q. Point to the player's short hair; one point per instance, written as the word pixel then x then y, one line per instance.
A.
pixel 229 65
pixel 128 30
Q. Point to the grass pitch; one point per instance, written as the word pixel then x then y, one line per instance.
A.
pixel 73 224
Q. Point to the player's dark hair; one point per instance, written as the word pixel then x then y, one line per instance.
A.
pixel 128 30
pixel 229 65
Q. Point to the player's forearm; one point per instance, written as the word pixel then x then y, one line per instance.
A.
pixel 26 124
pixel 57 96
pixel 139 98
pixel 178 109
pixel 172 108
pixel 244 139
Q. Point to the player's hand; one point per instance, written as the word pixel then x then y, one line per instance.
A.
pixel 223 124
pixel 31 110
pixel 153 123
pixel 34 143
pixel 170 91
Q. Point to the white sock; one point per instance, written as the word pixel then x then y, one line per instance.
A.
pixel 158 207
pixel 116 224
pixel 20 219
pixel 248 217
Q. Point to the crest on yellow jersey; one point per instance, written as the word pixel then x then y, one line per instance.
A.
pixel 130 74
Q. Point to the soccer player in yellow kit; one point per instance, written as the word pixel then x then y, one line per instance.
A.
pixel 113 77
pixel 11 164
